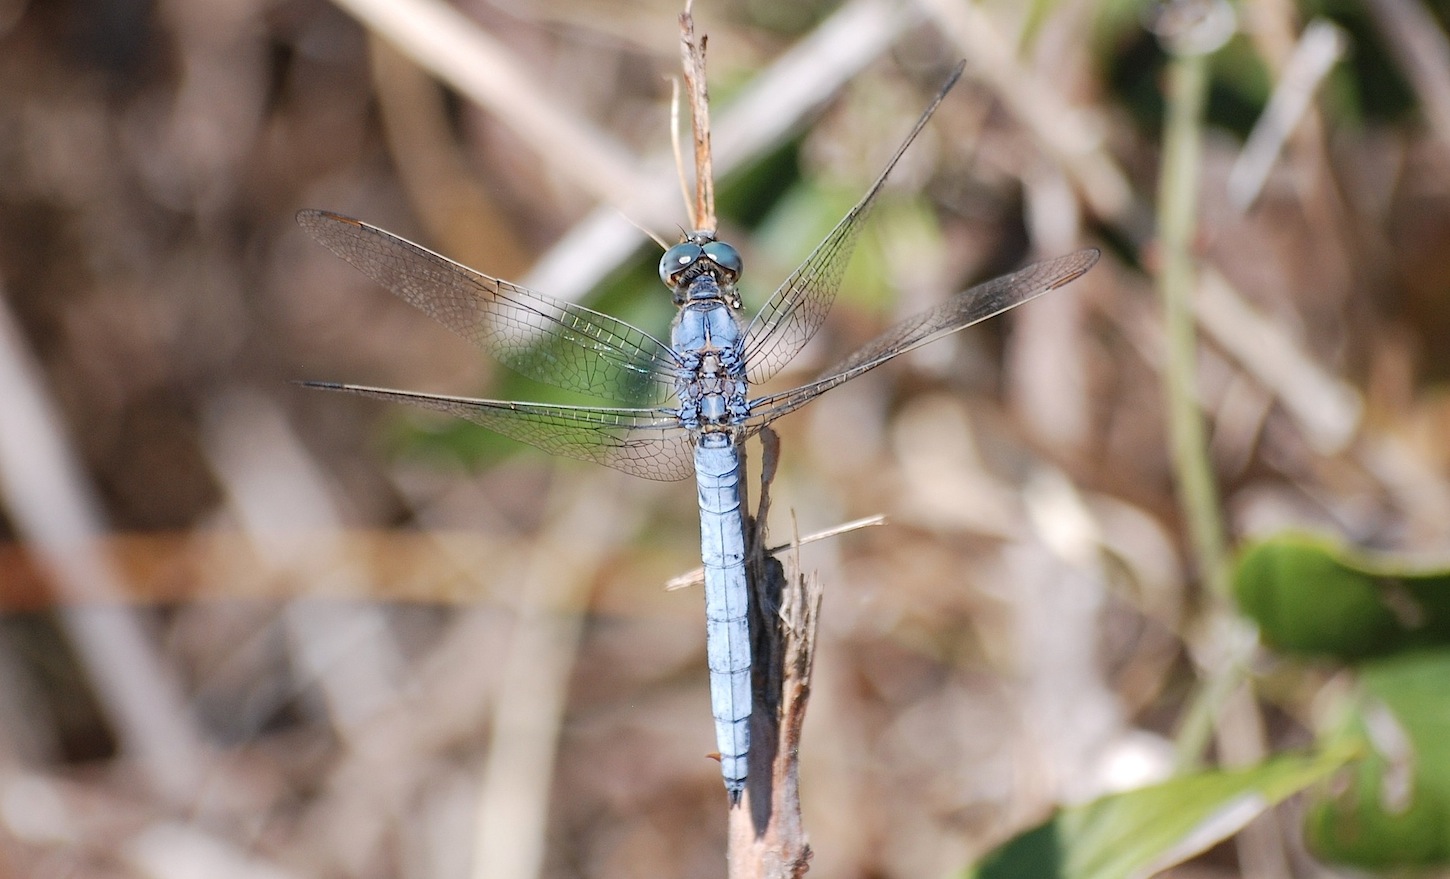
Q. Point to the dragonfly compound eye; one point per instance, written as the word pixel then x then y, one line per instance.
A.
pixel 726 257
pixel 676 260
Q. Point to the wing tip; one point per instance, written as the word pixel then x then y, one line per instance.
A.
pixel 955 75
pixel 310 217
pixel 1084 260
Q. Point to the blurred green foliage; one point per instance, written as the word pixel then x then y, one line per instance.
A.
pixel 1144 831
pixel 1389 621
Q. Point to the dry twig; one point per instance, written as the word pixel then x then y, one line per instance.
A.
pixel 697 576
pixel 692 57
pixel 767 835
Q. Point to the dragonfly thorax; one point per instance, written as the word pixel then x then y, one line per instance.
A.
pixel 711 384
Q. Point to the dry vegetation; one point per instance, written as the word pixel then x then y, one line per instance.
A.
pixel 252 631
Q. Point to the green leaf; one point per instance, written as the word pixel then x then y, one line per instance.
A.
pixel 1312 596
pixel 1145 831
pixel 1394 810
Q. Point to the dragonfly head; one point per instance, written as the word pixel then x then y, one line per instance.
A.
pixel 698 257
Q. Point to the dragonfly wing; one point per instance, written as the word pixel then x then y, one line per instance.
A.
pixel 958 313
pixel 559 343
pixel 795 311
pixel 642 442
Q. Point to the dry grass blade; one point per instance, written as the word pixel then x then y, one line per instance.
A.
pixel 675 148
pixel 513 801
pixel 1318 50
pixel 45 494
pixel 463 218
pixel 444 41
pixel 697 576
pixel 1060 130
pixel 1325 407
pixel 213 566
pixel 1417 41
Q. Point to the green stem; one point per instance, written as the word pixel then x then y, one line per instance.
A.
pixel 1178 204
pixel 1197 494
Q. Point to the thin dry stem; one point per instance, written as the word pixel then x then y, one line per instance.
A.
pixel 513 800
pixel 697 576
pixel 692 57
pixel 459 52
pixel 1418 43
pixel 675 146
pixel 1062 131
pixel 52 506
pixel 1320 48
pixel 460 214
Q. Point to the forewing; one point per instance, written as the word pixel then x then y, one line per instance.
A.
pixel 961 311
pixel 795 311
pixel 559 343
pixel 642 442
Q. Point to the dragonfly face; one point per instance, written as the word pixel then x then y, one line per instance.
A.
pixel 698 255
pixel 712 360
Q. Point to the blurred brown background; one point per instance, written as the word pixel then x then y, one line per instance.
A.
pixel 256 631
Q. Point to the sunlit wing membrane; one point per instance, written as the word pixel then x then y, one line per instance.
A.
pixel 642 442
pixel 555 342
pixel 961 311
pixel 794 312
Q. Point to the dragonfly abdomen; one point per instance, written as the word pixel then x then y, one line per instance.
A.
pixel 727 625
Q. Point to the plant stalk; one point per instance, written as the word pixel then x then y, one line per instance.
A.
pixel 1197 494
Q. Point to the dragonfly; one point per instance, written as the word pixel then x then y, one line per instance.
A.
pixel 694 407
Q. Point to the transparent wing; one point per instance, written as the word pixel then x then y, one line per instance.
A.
pixel 959 312
pixel 642 442
pixel 795 311
pixel 559 343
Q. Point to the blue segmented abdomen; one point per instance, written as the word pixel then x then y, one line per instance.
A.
pixel 727 626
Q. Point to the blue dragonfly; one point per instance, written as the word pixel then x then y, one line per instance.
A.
pixel 695 408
